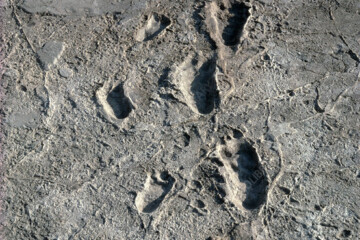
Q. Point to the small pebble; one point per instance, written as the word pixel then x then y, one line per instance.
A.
pixel 65 72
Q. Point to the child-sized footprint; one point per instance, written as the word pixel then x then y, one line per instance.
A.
pixel 156 187
pixel 153 27
pixel 115 101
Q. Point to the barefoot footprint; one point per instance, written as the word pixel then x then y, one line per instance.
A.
pixel 115 101
pixel 156 187
pixel 196 80
pixel 246 180
pixel 153 27
pixel 226 21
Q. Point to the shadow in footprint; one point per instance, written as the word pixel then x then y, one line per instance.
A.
pixel 154 26
pixel 164 23
pixel 252 174
pixel 166 182
pixel 119 103
pixel 232 32
pixel 204 88
pixel 163 80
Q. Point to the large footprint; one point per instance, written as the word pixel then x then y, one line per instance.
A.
pixel 156 187
pixel 245 177
pixel 238 14
pixel 196 79
pixel 226 21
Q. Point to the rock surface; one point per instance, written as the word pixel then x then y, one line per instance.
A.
pixel 50 53
pixel 216 119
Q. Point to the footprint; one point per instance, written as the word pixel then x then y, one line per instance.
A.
pixel 247 182
pixel 238 15
pixel 252 174
pixel 196 80
pixel 225 22
pixel 156 187
pixel 245 173
pixel 204 88
pixel 153 27
pixel 115 101
pixel 119 103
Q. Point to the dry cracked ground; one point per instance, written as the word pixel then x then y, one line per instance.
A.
pixel 187 119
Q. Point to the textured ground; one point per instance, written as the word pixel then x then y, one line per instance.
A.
pixel 217 119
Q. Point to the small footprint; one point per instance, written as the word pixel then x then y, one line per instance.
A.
pixel 153 27
pixel 119 103
pixel 115 102
pixel 156 187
